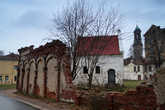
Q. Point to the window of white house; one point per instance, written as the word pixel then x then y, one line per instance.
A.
pixel 6 78
pixel 138 68
pixel 134 68
pixel 0 78
pixel 98 69
pixel 85 70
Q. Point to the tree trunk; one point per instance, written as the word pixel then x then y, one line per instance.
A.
pixel 90 79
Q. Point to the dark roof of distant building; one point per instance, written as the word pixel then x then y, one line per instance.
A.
pixel 98 45
pixel 136 62
pixel 127 61
pixel 9 57
pixel 152 28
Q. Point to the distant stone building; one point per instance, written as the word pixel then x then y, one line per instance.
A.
pixel 155 46
pixel 154 49
pixel 45 72
pixel 109 67
pixel 8 68
pixel 134 65
pixel 133 70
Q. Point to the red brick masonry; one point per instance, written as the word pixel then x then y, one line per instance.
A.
pixel 143 98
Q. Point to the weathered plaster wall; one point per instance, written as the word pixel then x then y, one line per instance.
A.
pixel 133 76
pixel 52 77
pixel 40 79
pixel 25 78
pixel 31 78
pixel 20 77
pixel 130 74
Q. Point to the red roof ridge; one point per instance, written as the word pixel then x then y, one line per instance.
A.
pixel 98 36
pixel 87 46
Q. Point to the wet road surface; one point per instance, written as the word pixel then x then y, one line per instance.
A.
pixel 7 103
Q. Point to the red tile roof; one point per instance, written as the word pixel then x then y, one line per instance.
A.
pixel 98 45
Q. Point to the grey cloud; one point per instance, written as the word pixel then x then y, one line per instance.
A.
pixel 17 1
pixel 159 2
pixel 33 19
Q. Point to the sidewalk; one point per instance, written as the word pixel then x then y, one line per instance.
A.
pixel 40 104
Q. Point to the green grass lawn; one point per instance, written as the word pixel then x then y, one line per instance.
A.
pixel 7 86
pixel 131 84
pixel 128 84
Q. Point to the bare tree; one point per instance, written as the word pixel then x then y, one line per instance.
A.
pixel 74 21
pixel 81 20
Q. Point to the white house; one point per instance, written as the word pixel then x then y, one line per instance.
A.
pixel 109 68
pixel 133 70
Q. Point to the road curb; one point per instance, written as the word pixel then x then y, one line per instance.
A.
pixel 30 104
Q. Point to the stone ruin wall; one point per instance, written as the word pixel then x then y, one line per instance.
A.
pixel 45 72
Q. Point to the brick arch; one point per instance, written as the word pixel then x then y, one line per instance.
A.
pixel 65 83
pixel 63 77
pixel 31 76
pixel 52 76
pixel 22 71
pixel 39 59
pixel 40 79
pixel 25 77
pixel 19 78
pixel 49 57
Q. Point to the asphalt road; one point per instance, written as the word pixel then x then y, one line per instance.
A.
pixel 7 103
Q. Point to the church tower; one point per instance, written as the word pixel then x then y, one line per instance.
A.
pixel 137 46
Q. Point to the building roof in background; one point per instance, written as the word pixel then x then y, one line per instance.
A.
pixel 9 57
pixel 136 62
pixel 127 61
pixel 98 45
pixel 154 27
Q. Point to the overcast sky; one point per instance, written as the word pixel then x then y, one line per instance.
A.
pixel 27 22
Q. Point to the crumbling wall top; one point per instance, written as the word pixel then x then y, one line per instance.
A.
pixel 56 47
